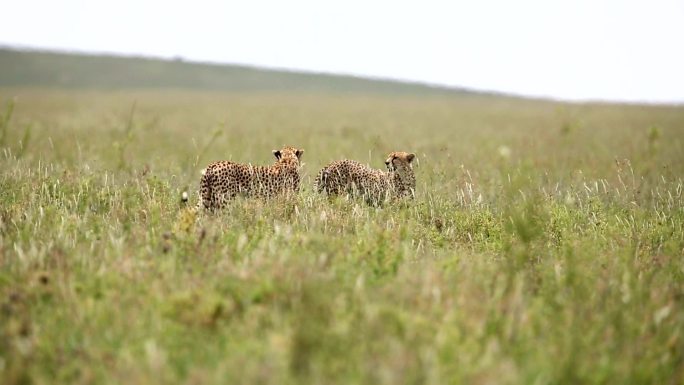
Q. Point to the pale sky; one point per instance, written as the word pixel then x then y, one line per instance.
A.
pixel 577 49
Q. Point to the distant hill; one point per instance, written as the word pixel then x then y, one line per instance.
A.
pixel 77 70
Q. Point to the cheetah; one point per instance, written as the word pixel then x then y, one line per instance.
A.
pixel 224 180
pixel 375 186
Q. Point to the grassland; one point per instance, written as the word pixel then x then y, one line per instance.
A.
pixel 78 71
pixel 545 244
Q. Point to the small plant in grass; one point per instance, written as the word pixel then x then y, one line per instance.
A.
pixel 4 122
pixel 23 145
pixel 121 145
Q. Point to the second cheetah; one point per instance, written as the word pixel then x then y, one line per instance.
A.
pixel 375 186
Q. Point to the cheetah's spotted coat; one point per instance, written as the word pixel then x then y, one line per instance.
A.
pixel 224 180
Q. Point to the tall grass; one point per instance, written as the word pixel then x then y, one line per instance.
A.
pixel 545 243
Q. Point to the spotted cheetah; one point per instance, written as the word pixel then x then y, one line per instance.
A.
pixel 375 186
pixel 224 180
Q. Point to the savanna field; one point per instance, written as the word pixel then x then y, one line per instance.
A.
pixel 545 244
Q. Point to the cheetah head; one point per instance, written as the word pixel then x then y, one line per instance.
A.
pixel 288 154
pixel 400 161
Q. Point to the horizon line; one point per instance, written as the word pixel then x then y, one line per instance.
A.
pixel 374 78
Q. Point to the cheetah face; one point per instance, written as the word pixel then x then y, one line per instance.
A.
pixel 288 153
pixel 399 161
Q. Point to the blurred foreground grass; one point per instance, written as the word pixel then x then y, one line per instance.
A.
pixel 545 245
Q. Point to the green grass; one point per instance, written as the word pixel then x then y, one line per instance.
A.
pixel 545 244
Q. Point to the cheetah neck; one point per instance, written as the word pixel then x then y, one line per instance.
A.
pixel 403 181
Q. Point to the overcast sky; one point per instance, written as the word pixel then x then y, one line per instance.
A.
pixel 580 49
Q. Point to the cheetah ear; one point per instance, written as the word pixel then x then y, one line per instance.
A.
pixel 277 154
pixel 410 157
pixel 299 153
